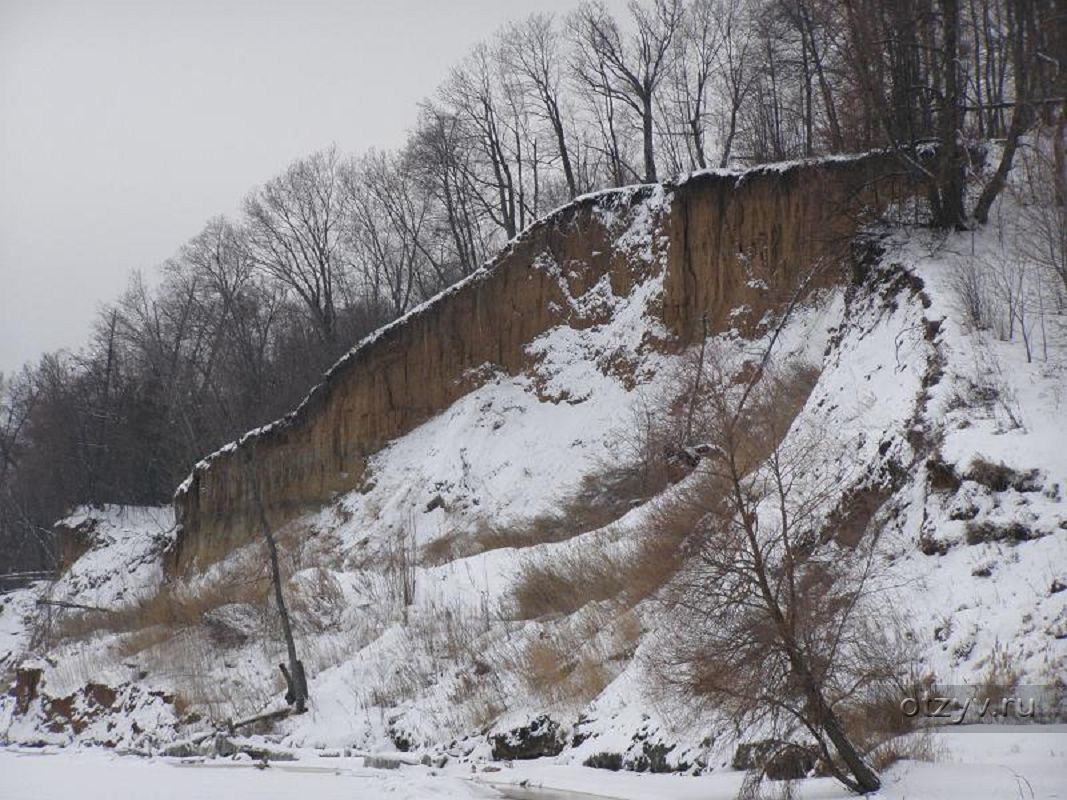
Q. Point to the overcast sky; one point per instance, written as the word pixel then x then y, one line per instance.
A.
pixel 125 125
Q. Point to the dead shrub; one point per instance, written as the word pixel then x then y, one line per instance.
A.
pixel 999 477
pixel 571 581
pixel 877 721
pixel 317 601
pixel 916 746
pixel 1011 532
pixel 155 618
pixel 601 498
pixel 401 559
pixel 552 669
pixel 1000 682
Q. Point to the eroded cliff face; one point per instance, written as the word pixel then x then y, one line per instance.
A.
pixel 740 244
pixel 729 246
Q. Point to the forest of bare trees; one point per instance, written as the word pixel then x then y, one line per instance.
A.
pixel 244 318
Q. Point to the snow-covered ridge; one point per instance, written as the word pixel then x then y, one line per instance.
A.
pixel 606 203
pixel 725 247
pixel 603 202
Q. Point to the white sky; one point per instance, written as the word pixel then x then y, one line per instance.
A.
pixel 125 125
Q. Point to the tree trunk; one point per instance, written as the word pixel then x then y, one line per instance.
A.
pixel 646 129
pixel 866 778
pixel 698 141
pixel 1020 115
pixel 1000 177
pixel 295 677
pixel 564 153
pixel 950 179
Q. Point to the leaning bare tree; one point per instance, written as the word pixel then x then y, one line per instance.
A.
pixel 773 610
pixel 296 680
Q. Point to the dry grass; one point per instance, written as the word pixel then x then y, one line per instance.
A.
pixel 545 665
pixel 316 601
pixel 571 581
pixel 553 669
pixel 602 498
pixel 595 573
pixel 156 618
pixel 917 746
pixel 1000 680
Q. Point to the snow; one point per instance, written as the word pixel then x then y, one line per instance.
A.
pixel 122 563
pixel 101 776
pixel 993 763
pixel 891 394
pixel 16 611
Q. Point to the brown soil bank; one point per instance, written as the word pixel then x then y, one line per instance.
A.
pixel 720 238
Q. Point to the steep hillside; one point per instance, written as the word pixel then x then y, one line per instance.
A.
pixel 716 243
pixel 477 512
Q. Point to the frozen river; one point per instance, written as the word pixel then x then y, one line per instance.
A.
pixel 1025 761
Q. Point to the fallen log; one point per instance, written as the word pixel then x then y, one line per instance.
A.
pixel 75 606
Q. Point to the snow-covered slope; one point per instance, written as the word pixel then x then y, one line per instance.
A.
pixel 406 591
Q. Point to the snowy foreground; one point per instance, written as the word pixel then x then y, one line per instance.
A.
pixel 990 762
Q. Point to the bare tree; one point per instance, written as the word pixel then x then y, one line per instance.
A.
pixel 295 678
pixel 1026 48
pixel 440 157
pixel 492 120
pixel 816 24
pixel 774 607
pixel 634 64
pixel 532 50
pixel 697 48
pixel 295 230
pixel 388 220
pixel 1044 203
pixel 735 74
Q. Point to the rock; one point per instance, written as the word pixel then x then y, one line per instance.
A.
pixel 264 755
pixel 27 679
pixel 540 738
pixel 222 746
pixel 181 750
pixel 233 624
pixel 610 761
pixel 100 694
pixel 942 475
pixel 381 762
pixel 779 761
pixel 653 758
